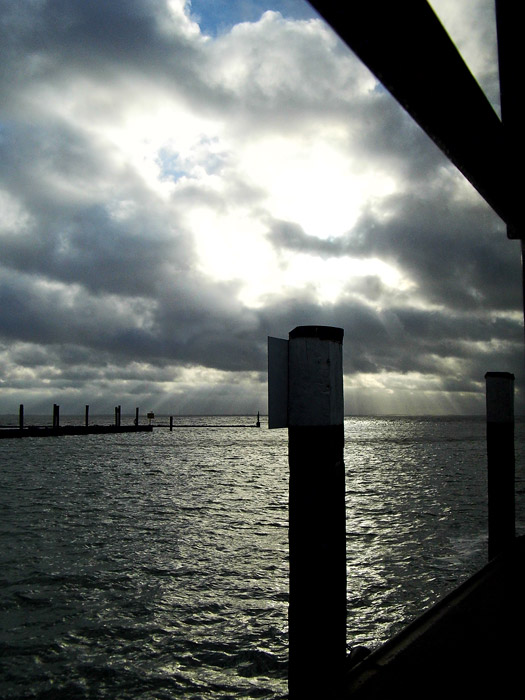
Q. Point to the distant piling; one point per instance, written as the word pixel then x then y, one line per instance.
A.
pixel 171 423
pixel 56 416
pixel 117 416
pixel 86 416
pixel 501 461
pixel 137 416
pixel 258 423
pixel 21 417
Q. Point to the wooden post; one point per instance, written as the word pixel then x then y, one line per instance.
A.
pixel 56 415
pixel 500 453
pixel 171 423
pixel 21 416
pixel 317 535
pixel 87 416
pixel 258 423
pixel 117 416
pixel 137 416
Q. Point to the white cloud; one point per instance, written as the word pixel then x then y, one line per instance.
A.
pixel 471 26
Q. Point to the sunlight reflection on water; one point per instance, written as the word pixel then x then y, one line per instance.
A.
pixel 155 565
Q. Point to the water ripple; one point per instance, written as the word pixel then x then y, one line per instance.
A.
pixel 156 565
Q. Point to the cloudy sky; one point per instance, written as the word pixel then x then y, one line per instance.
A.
pixel 179 180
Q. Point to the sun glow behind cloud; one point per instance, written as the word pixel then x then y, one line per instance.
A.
pixel 312 181
pixel 308 179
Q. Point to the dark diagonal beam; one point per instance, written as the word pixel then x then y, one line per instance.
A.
pixel 509 22
pixel 406 47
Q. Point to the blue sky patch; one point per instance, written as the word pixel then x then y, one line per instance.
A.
pixel 216 17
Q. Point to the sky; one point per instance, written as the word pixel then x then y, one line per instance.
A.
pixel 181 180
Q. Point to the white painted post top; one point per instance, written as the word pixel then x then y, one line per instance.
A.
pixel 315 376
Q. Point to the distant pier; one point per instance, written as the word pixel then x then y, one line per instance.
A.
pixel 205 425
pixel 55 429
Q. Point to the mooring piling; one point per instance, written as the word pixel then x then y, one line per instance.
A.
pixel 21 416
pixel 500 457
pixel 86 416
pixel 310 375
pixel 56 416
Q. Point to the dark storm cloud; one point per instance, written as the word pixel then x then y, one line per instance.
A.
pixel 76 239
pixel 466 273
pixel 50 40
pixel 458 345
pixel 455 251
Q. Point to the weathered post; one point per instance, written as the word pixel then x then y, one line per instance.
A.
pixel 137 416
pixel 21 417
pixel 317 524
pixel 171 423
pixel 86 421
pixel 56 416
pixel 500 454
pixel 117 416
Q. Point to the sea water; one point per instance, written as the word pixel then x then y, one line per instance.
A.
pixel 154 565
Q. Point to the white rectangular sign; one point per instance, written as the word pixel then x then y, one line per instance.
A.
pixel 277 383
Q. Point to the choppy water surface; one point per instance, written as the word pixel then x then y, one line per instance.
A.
pixel 155 565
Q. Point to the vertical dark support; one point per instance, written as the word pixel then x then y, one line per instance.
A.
pixel 317 609
pixel 117 416
pixel 137 416
pixel 86 421
pixel 56 416
pixel 258 423
pixel 21 416
pixel 171 423
pixel 500 453
pixel 509 26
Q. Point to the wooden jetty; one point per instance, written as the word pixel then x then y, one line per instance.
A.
pixel 470 644
pixel 55 429
pixel 204 425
